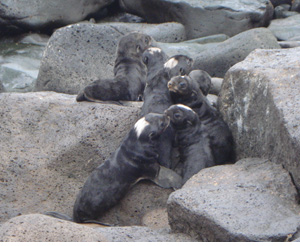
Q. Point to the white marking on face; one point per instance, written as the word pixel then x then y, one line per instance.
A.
pixel 152 50
pixel 140 126
pixel 184 107
pixel 171 63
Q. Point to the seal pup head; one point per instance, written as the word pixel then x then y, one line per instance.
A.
pixel 178 65
pixel 203 80
pixel 134 44
pixel 151 126
pixel 154 56
pixel 183 89
pixel 181 116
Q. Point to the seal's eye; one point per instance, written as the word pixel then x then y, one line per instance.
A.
pixel 145 60
pixel 152 135
pixel 182 85
pixel 177 115
pixel 147 40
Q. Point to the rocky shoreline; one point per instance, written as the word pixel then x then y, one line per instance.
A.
pixel 50 143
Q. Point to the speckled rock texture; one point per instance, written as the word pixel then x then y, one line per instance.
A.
pixel 38 14
pixel 287 28
pixel 252 200
pixel 220 57
pixel 204 17
pixel 260 102
pixel 50 144
pixel 79 54
pixel 1 87
pixel 41 228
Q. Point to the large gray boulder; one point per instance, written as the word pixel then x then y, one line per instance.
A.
pixel 50 144
pixel 252 200
pixel 204 17
pixel 287 28
pixel 260 102
pixel 221 56
pixel 41 228
pixel 38 14
pixel 77 55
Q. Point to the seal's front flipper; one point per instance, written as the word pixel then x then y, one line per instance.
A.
pixel 167 178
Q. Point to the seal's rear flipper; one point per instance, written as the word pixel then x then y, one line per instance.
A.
pixel 59 215
pixel 167 178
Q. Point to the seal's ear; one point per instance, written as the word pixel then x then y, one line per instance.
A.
pixel 190 123
pixel 194 95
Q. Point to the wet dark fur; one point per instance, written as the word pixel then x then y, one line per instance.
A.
pixel 157 99
pixel 203 79
pixel 192 141
pixel 129 73
pixel 185 91
pixel 135 159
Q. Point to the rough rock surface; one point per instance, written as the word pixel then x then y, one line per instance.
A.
pixel 145 204
pixel 1 87
pixel 286 29
pixel 217 60
pixel 38 14
pixel 41 228
pixel 77 55
pixel 252 200
pixel 260 102
pixel 50 144
pixel 204 17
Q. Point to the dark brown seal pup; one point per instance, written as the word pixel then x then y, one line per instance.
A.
pixel 154 58
pixel 135 159
pixel 129 73
pixel 185 91
pixel 157 98
pixel 192 140
pixel 156 94
pixel 203 79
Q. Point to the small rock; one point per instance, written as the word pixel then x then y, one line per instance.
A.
pixel 286 29
pixel 216 85
pixel 220 57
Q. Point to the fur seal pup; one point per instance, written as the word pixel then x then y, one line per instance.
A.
pixel 193 142
pixel 185 91
pixel 157 98
pixel 154 58
pixel 135 159
pixel 156 94
pixel 203 79
pixel 129 73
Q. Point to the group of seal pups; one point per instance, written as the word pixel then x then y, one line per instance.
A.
pixel 178 133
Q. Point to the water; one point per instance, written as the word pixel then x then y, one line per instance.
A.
pixel 19 65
